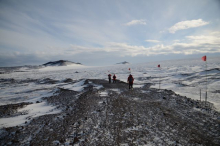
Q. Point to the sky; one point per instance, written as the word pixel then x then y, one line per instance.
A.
pixel 106 32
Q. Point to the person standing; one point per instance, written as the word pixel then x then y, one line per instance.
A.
pixel 109 78
pixel 130 81
pixel 114 78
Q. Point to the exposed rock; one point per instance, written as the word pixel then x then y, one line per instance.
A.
pixel 60 63
pixel 131 117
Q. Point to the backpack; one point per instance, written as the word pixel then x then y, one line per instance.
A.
pixel 130 79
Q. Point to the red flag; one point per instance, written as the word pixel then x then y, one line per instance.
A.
pixel 129 69
pixel 158 65
pixel 204 58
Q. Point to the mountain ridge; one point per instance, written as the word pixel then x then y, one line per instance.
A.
pixel 60 63
pixel 125 62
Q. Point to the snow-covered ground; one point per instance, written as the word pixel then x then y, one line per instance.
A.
pixel 185 77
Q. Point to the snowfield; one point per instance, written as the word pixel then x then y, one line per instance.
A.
pixel 185 77
pixel 32 96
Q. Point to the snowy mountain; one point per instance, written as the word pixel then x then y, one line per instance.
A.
pixel 60 63
pixel 125 62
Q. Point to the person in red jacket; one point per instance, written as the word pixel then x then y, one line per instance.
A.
pixel 130 81
pixel 114 78
pixel 109 78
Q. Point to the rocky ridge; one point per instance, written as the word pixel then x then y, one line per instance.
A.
pixel 114 115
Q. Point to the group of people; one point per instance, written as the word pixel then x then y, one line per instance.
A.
pixel 130 80
pixel 114 78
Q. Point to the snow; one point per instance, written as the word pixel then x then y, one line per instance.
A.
pixel 185 77
pixel 138 86
pixel 103 93
pixel 78 86
pixel 95 85
pixel 55 68
pixel 116 90
pixel 98 86
pixel 34 110
pixel 24 92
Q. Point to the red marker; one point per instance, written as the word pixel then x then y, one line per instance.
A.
pixel 204 58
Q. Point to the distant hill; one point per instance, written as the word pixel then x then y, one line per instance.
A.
pixel 60 63
pixel 125 62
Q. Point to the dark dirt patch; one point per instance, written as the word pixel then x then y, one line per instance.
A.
pixel 216 91
pixel 68 80
pixel 11 109
pixel 47 81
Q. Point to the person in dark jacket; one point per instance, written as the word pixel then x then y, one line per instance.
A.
pixel 130 81
pixel 114 78
pixel 109 78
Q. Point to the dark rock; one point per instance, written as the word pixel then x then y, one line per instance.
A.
pixel 75 140
pixel 62 140
pixel 15 141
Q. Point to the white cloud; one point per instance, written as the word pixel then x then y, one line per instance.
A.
pixel 209 43
pixel 131 50
pixel 194 45
pixel 136 22
pixel 152 41
pixel 76 49
pixel 205 39
pixel 187 25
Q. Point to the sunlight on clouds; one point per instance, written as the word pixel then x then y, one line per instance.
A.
pixel 205 39
pixel 209 43
pixel 136 22
pixel 196 44
pixel 153 41
pixel 187 24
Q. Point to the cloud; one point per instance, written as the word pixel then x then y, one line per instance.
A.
pixel 153 41
pixel 136 22
pixel 187 25
pixel 203 40
pixel 192 45
pixel 205 44
pixel 132 50
pixel 209 43
pixel 76 49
